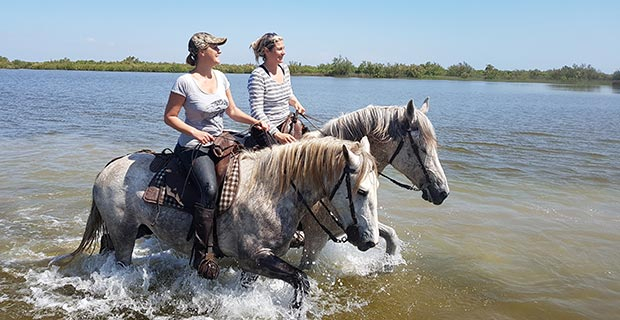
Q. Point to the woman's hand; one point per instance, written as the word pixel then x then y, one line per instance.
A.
pixel 284 137
pixel 300 109
pixel 261 125
pixel 202 137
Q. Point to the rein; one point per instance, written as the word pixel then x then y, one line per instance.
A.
pixel 346 175
pixel 307 117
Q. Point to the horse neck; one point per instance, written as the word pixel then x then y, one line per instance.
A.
pixel 291 179
pixel 309 194
pixel 354 126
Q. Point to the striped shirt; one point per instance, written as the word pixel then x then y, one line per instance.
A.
pixel 269 100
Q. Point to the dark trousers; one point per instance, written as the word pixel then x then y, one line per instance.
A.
pixel 200 162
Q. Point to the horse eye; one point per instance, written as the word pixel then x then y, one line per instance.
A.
pixel 362 192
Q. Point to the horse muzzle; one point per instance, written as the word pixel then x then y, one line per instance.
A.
pixel 362 243
pixel 433 194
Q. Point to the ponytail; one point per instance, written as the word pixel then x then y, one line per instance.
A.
pixel 191 59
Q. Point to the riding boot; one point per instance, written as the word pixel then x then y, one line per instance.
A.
pixel 203 259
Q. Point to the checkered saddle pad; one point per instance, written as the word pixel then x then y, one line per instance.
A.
pixel 230 186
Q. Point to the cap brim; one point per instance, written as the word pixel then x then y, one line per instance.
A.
pixel 219 41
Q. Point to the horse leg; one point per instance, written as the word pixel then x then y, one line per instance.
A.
pixel 269 265
pixel 123 242
pixel 391 238
pixel 315 240
pixel 391 243
pixel 120 237
pixel 106 244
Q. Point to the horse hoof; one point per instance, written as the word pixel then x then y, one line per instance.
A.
pixel 208 268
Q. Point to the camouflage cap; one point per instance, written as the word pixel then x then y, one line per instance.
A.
pixel 202 40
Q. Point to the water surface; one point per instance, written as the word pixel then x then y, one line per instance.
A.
pixel 530 230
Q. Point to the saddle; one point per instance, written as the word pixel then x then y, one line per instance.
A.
pixel 293 126
pixel 172 187
pixel 260 139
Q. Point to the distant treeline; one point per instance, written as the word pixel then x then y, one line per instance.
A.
pixel 342 67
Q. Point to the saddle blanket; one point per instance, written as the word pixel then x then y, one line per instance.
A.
pixel 172 187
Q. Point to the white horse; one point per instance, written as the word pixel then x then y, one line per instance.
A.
pixel 402 137
pixel 275 187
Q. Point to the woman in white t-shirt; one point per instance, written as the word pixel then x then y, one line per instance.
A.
pixel 205 95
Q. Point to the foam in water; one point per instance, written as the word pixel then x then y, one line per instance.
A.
pixel 160 284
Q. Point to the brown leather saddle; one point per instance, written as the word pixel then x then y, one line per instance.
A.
pixel 292 125
pixel 172 187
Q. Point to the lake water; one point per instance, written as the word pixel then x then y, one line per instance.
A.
pixel 531 229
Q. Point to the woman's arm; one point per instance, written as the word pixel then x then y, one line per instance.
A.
pixel 238 115
pixel 296 104
pixel 256 92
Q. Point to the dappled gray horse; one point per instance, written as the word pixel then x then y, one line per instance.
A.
pixel 402 137
pixel 275 186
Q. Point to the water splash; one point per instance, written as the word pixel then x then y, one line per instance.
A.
pixel 161 285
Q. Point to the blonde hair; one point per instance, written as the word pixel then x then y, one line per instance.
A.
pixel 268 40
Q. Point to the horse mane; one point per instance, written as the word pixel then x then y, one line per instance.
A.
pixel 314 162
pixel 381 123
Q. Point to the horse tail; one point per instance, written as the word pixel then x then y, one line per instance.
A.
pixel 94 227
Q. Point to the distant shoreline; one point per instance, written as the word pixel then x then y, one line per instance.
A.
pixel 342 67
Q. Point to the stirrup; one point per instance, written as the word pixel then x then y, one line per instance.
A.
pixel 208 267
pixel 298 239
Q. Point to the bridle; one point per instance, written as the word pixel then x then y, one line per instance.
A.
pixel 345 176
pixel 398 148
pixel 416 151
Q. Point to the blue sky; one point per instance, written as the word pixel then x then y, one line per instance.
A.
pixel 510 35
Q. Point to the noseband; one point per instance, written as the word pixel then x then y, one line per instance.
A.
pixel 346 176
pixel 416 151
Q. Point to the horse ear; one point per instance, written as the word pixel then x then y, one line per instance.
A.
pixel 352 160
pixel 365 144
pixel 410 111
pixel 345 152
pixel 425 105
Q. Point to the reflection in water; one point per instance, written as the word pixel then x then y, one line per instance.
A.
pixel 577 87
pixel 615 86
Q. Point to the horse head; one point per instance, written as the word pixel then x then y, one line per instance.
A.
pixel 356 203
pixel 420 144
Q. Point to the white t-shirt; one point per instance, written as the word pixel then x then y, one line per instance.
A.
pixel 203 111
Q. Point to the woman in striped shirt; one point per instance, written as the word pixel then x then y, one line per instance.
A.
pixel 269 87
